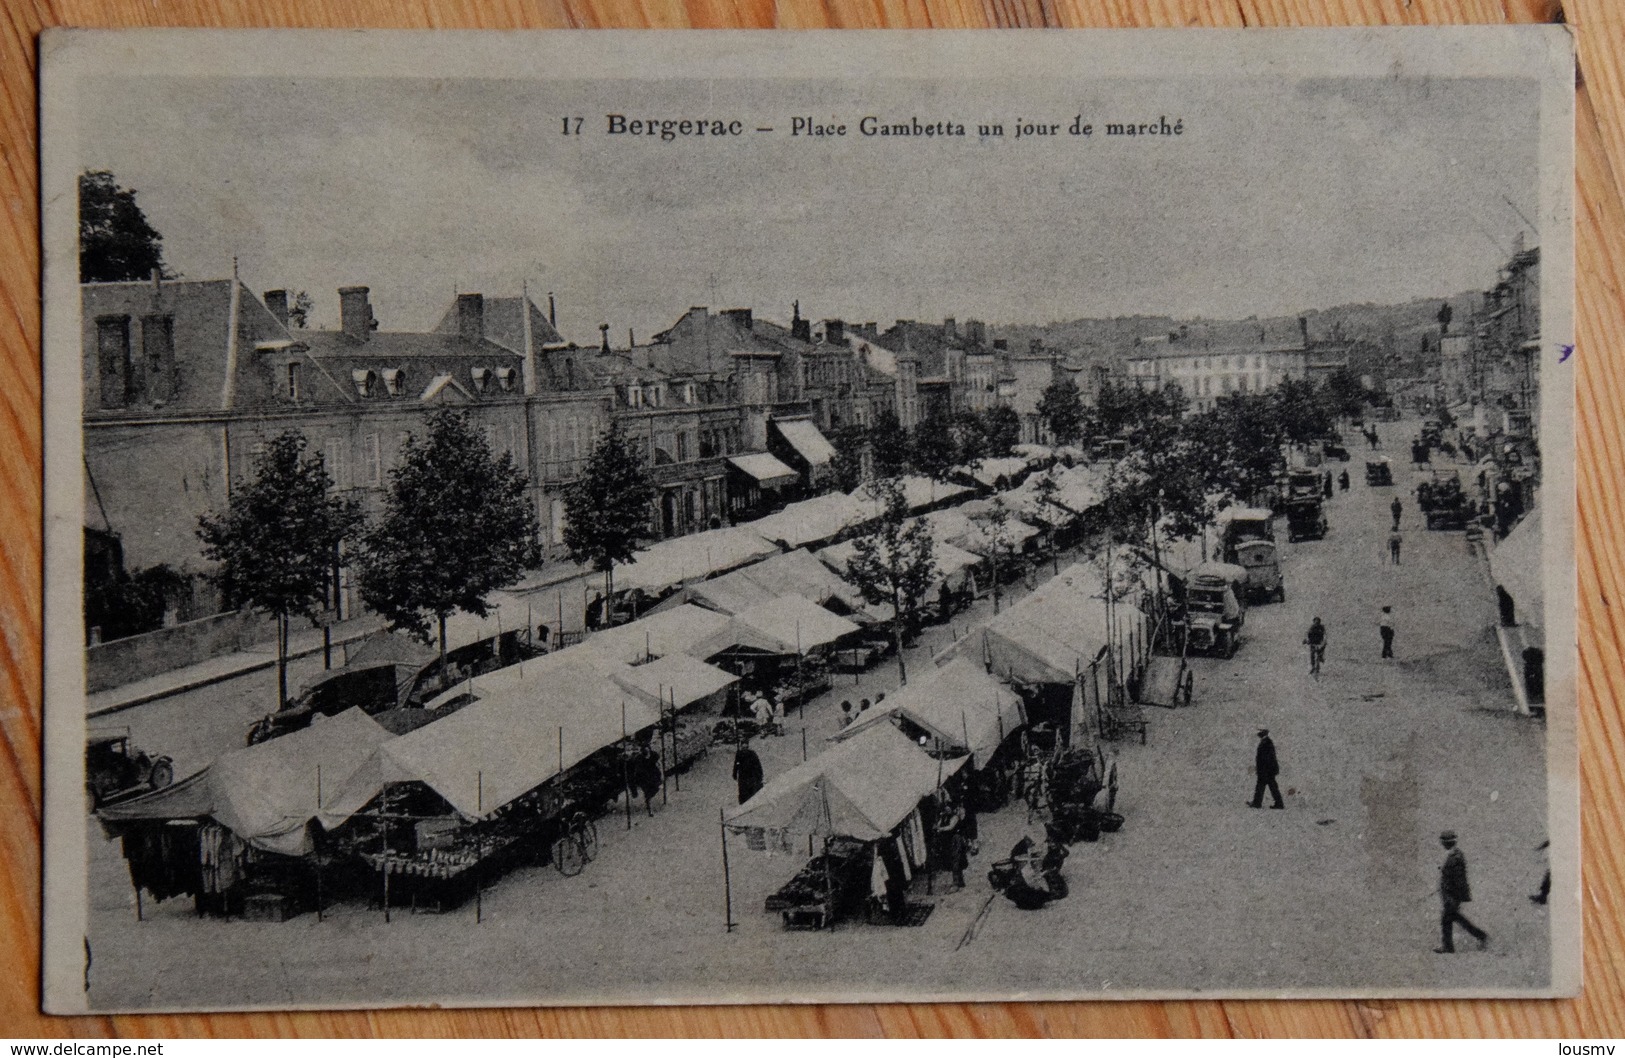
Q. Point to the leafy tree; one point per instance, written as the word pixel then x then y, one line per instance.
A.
pixel 968 437
pixel 896 564
pixel 136 602
pixel 849 443
pixel 607 508
pixel 1299 410
pixel 1344 394
pixel 1001 544
pixel 279 537
pixel 1446 314
pixel 1060 407
pixel 299 310
pixel 889 445
pixel 1001 427
pixel 936 450
pixel 116 243
pixel 456 527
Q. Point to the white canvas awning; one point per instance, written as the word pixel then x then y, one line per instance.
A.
pixel 766 469
pixel 989 471
pixel 789 624
pixel 959 704
pixel 794 573
pixel 671 632
pixel 1516 566
pixel 862 788
pixel 954 565
pixel 808 442
pixel 1049 636
pixel 812 521
pixel 676 679
pixel 507 743
pixel 685 559
pixel 267 794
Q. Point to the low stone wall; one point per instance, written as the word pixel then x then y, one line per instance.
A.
pixel 134 658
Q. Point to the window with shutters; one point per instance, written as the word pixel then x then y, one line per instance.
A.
pixel 158 352
pixel 113 360
pixel 375 460
pixel 291 391
pixel 336 457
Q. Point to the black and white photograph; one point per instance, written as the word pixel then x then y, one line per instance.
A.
pixel 713 517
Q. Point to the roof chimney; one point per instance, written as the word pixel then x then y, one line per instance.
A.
pixel 1303 330
pixel 355 313
pixel 799 328
pixel 950 328
pixel 277 302
pixel 471 317
pixel 603 330
pixel 835 332
pixel 975 332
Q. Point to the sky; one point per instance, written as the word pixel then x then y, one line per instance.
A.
pixel 1278 197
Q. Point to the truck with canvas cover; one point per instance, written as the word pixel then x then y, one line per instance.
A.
pixel 1215 608
pixel 1239 524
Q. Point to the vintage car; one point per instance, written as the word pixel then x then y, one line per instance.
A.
pixel 1334 448
pixel 116 771
pixel 1306 520
pixel 1214 608
pixel 1442 501
pixel 1378 471
pixel 1263 566
pixel 1302 484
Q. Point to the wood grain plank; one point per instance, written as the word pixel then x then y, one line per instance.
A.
pixel 1600 248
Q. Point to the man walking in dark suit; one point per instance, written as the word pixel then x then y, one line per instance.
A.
pixel 1453 892
pixel 1267 767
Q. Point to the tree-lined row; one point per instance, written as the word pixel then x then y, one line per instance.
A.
pixel 456 525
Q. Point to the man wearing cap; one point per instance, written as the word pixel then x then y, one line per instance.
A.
pixel 1453 892
pixel 1267 767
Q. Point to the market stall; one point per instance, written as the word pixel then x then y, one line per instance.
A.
pixel 817 520
pixel 686 559
pixel 797 572
pixel 862 799
pixel 659 635
pixel 958 706
pixel 779 645
pixel 236 831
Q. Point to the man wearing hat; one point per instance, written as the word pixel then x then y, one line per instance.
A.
pixel 1453 892
pixel 1267 767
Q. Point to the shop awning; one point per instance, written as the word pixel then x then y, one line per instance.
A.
pixel 959 704
pixel 671 632
pixel 1049 636
pixel 789 624
pixel 266 794
pixel 1516 566
pixel 804 437
pixel 766 469
pixel 862 788
pixel 794 573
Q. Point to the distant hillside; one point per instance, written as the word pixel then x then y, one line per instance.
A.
pixel 1392 328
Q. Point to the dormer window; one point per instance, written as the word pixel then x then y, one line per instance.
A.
pixel 653 396
pixel 393 380
pixel 481 377
pixel 688 393
pixel 292 390
pixel 634 397
pixel 364 381
pixel 506 378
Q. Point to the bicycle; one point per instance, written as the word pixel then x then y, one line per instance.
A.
pixel 577 846
pixel 1317 656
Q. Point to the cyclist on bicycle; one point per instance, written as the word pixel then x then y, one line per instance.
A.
pixel 1316 638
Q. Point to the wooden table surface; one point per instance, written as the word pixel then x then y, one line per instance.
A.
pixel 1600 249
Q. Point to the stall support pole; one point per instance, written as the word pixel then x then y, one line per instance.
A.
pixel 626 775
pixel 317 857
pixel 384 861
pixel 138 910
pixel 660 696
pixel 803 744
pixel 727 877
pixel 479 850
pixel 676 775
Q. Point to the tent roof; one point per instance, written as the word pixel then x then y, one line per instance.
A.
pixel 670 632
pixel 805 438
pixel 509 741
pixel 266 793
pixel 951 561
pixel 691 558
pixel 797 572
pixel 918 492
pixel 788 624
pixel 1516 566
pixel 678 676
pixel 959 703
pixel 814 520
pixel 508 613
pixel 988 471
pixel 861 788
pixel 1047 637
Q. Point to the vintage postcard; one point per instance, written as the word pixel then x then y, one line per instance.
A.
pixel 582 518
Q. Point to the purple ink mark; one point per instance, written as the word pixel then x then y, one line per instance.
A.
pixel 1566 351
